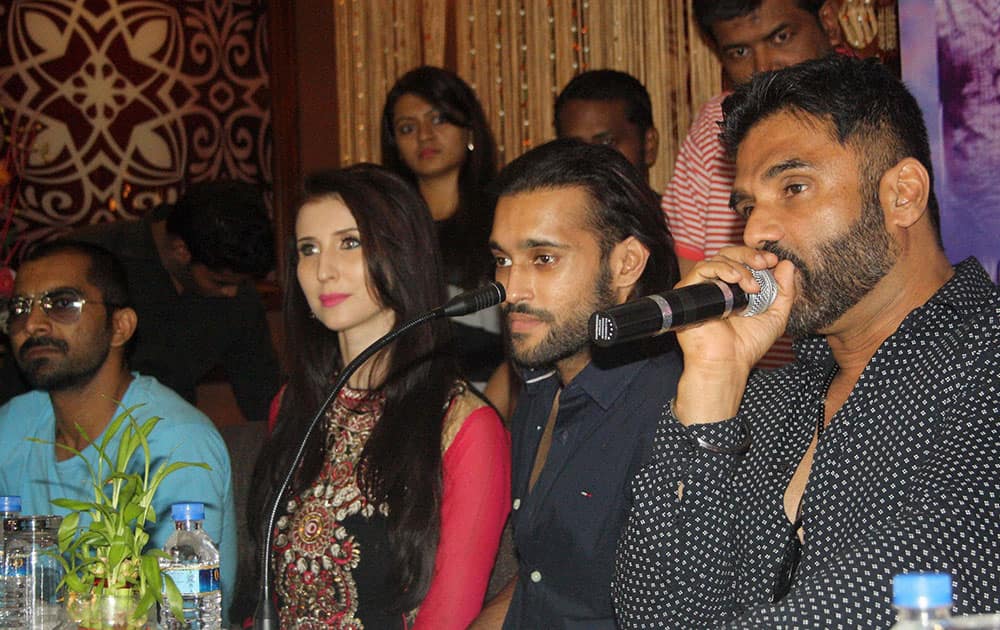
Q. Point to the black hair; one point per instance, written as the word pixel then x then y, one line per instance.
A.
pixel 867 108
pixel 463 237
pixel 709 12
pixel 622 204
pixel 609 85
pixel 105 272
pixel 401 462
pixel 225 227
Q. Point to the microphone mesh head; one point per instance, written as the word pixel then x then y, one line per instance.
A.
pixel 757 303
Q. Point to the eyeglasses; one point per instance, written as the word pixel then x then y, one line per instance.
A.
pixel 62 306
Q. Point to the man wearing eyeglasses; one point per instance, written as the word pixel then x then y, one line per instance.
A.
pixel 69 322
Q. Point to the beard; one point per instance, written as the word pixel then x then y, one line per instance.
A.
pixel 846 269
pixel 568 334
pixel 53 374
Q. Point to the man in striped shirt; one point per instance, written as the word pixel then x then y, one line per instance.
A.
pixel 749 36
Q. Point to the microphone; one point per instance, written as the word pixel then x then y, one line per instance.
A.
pixel 265 616
pixel 474 300
pixel 660 312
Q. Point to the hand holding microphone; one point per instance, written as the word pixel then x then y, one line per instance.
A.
pixel 719 354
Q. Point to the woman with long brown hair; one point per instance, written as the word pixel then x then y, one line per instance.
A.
pixel 396 510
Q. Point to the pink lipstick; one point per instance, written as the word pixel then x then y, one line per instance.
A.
pixel 329 300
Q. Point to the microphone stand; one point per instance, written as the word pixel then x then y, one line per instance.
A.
pixel 265 616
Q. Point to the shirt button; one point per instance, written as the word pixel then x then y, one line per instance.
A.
pixel 536 576
pixel 517 503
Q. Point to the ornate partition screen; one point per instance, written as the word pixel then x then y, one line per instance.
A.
pixel 131 98
pixel 518 54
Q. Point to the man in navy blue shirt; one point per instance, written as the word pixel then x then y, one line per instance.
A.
pixel 576 230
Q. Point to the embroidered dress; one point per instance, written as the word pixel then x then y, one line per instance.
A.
pixel 330 529
pixel 332 553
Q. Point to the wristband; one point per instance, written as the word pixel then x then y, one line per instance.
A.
pixel 739 449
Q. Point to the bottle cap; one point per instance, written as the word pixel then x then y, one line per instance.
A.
pixel 188 511
pixel 921 590
pixel 10 504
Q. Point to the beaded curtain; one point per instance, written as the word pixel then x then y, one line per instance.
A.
pixel 517 55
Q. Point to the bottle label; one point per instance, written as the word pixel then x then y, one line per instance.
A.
pixel 195 579
pixel 15 566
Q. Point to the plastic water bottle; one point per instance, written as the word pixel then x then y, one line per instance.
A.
pixel 33 574
pixel 10 509
pixel 193 563
pixel 922 601
pixel 975 622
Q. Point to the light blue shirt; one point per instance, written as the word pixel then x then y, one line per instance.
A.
pixel 184 434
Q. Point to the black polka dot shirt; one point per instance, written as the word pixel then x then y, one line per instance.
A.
pixel 905 478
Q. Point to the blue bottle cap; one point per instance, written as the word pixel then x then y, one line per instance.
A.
pixel 188 511
pixel 10 504
pixel 921 590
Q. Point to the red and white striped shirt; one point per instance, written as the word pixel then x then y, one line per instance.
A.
pixel 696 203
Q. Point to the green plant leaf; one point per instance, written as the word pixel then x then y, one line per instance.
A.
pixel 117 552
pixel 74 583
pixel 146 601
pixel 107 554
pixel 174 599
pixel 67 530
pixel 161 474
pixel 74 505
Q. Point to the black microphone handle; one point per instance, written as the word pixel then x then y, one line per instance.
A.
pixel 658 313
pixel 648 315
pixel 265 616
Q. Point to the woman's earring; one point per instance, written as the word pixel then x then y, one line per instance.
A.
pixel 471 147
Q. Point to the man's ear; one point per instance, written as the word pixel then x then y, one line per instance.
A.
pixel 628 260
pixel 828 21
pixel 123 323
pixel 904 191
pixel 651 144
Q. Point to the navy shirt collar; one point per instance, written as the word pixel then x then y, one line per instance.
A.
pixel 602 384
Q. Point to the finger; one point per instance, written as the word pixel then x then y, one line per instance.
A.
pixel 850 33
pixel 743 259
pixel 868 24
pixel 784 275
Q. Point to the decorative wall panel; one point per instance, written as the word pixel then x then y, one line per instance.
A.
pixel 132 99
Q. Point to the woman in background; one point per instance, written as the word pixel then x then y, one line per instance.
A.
pixel 435 135
pixel 395 513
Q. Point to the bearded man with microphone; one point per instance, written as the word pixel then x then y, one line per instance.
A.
pixel 791 498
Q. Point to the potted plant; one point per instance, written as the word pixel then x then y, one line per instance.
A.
pixel 112 581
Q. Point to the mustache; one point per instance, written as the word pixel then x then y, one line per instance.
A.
pixel 785 254
pixel 35 342
pixel 524 309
